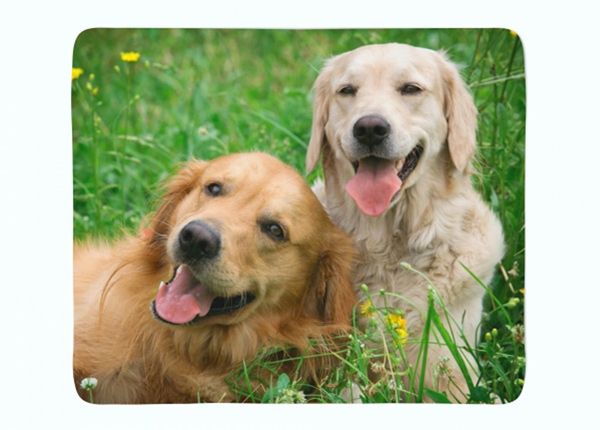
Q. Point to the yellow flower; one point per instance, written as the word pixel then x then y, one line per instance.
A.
pixel 402 336
pixel 76 72
pixel 367 309
pixel 396 321
pixel 398 324
pixel 130 57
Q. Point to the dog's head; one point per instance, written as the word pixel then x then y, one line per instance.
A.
pixel 387 112
pixel 243 236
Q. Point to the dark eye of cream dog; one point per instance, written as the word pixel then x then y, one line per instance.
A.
pixel 273 230
pixel 348 90
pixel 409 89
pixel 214 189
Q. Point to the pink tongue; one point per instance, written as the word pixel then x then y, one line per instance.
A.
pixel 183 298
pixel 374 185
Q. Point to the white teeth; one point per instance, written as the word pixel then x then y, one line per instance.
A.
pixel 399 164
pixel 161 286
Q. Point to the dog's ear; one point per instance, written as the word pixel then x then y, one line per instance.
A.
pixel 176 189
pixel 320 116
pixel 331 295
pixel 461 115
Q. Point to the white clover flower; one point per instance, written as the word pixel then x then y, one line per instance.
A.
pixel 378 367
pixel 289 395
pixel 88 383
pixel 442 367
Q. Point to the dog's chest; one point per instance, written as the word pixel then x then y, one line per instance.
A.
pixel 380 266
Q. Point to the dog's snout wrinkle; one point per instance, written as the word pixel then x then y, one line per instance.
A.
pixel 198 240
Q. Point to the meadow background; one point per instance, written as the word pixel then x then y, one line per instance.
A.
pixel 204 93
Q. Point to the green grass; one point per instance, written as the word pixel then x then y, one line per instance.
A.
pixel 204 93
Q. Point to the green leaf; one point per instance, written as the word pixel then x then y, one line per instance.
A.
pixel 437 322
pixel 269 396
pixel 479 395
pixel 424 347
pixel 283 382
pixel 436 396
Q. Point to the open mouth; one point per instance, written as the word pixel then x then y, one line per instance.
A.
pixel 410 162
pixel 378 180
pixel 184 300
pixel 406 165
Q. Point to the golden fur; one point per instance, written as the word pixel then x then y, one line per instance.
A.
pixel 302 287
pixel 437 222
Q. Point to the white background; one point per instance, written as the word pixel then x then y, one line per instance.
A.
pixel 563 165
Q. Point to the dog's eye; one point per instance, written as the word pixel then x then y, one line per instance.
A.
pixel 214 189
pixel 348 90
pixel 273 229
pixel 408 89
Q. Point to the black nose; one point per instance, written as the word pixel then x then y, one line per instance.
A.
pixel 371 130
pixel 198 240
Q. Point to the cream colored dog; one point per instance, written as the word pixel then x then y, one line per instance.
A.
pixel 395 127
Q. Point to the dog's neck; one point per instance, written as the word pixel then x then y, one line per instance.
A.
pixel 409 221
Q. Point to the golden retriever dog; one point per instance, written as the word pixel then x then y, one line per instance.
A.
pixel 240 256
pixel 395 127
